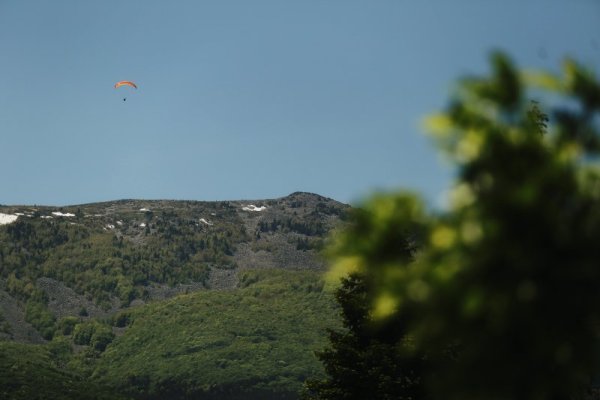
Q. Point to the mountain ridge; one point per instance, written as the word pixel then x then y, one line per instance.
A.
pixel 132 199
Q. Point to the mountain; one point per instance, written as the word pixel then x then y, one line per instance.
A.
pixel 95 259
pixel 168 299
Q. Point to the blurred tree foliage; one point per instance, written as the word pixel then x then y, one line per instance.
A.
pixel 499 293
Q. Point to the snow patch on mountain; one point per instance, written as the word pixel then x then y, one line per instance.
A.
pixel 252 207
pixel 7 218
pixel 59 214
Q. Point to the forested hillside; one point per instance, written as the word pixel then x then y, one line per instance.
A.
pixel 95 259
pixel 253 342
pixel 256 342
pixel 164 299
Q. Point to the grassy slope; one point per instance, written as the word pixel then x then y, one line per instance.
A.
pixel 254 342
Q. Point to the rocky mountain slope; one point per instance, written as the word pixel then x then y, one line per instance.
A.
pixel 92 260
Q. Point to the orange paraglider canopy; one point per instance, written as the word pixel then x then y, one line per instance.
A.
pixel 125 83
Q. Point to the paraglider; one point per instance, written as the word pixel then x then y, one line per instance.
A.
pixel 125 83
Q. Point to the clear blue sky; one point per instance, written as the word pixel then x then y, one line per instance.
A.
pixel 252 99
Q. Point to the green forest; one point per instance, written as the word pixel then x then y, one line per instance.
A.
pixel 255 342
pixel 166 248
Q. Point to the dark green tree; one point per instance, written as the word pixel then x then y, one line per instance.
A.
pixel 365 361
pixel 371 359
